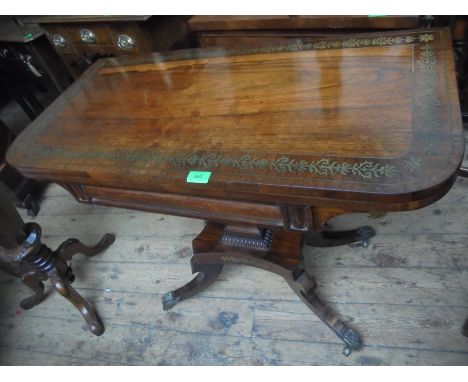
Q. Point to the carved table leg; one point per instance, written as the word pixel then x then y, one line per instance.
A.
pixel 207 273
pixel 280 254
pixel 336 238
pixel 304 286
pixel 34 281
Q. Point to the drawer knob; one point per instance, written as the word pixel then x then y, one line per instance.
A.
pixel 125 42
pixel 59 40
pixel 87 36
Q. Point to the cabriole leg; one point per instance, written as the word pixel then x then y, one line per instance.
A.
pixel 61 283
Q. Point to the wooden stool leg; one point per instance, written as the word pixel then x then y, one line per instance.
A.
pixel 61 283
pixel 207 273
pixel 35 262
pixel 71 247
pixel 33 281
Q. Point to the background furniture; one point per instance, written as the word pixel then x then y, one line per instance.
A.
pixel 17 83
pixel 31 74
pixel 228 31
pixel 81 40
pixel 28 49
pixel 20 191
pixel 22 254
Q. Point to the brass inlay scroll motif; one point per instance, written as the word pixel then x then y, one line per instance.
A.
pixel 427 124
pixel 301 44
pixel 366 169
pixel 337 44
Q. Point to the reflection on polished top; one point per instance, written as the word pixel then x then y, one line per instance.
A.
pixel 373 115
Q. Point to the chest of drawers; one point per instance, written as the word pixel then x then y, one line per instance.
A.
pixel 81 40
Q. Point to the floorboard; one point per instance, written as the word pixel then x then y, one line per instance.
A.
pixel 406 294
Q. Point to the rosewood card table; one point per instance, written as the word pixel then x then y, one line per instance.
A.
pixel 265 144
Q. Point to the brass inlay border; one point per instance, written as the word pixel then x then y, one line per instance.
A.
pixel 283 164
pixel 426 104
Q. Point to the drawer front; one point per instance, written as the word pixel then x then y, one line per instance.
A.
pixel 61 39
pixel 190 206
pixel 129 38
pixel 82 42
pixel 92 34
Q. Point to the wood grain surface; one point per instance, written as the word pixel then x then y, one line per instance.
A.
pixel 365 122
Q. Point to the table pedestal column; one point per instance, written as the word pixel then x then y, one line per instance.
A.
pixel 278 252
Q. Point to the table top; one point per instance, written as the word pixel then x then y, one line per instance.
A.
pixel 371 117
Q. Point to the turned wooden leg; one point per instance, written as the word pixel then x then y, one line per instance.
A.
pixel 336 238
pixel 61 283
pixel 207 273
pixel 36 263
pixel 33 281
pixel 71 247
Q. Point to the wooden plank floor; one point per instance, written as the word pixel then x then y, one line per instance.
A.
pixel 406 294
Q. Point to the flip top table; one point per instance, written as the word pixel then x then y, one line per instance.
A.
pixel 266 144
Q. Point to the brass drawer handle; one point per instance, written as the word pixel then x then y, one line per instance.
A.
pixel 59 40
pixel 125 42
pixel 87 36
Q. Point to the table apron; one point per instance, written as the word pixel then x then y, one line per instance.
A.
pixel 220 210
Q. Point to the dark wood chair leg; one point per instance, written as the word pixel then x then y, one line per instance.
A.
pixel 33 281
pixel 71 247
pixel 62 284
pixel 207 273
